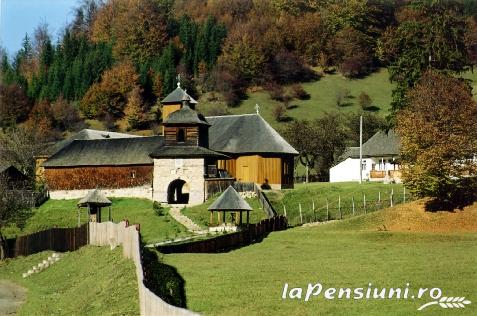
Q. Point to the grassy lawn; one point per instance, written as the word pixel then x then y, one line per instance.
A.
pixel 201 216
pixel 90 281
pixel 64 213
pixel 322 97
pixel 306 193
pixel 250 281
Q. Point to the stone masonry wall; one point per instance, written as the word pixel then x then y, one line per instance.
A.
pixel 189 170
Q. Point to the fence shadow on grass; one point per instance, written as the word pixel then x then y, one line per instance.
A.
pixel 162 279
pixel 224 243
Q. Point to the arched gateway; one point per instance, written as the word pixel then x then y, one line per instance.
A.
pixel 177 192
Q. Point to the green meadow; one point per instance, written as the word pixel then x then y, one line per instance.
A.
pixel 251 280
pixel 64 213
pixel 318 193
pixel 90 281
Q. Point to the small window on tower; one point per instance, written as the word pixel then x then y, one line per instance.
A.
pixel 181 135
pixel 133 174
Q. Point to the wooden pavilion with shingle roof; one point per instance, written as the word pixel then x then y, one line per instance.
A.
pixel 94 201
pixel 229 201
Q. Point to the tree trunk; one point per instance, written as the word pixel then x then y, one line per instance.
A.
pixel 2 247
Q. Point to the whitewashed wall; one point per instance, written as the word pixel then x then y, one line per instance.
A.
pixel 142 192
pixel 111 234
pixel 189 170
pixel 347 170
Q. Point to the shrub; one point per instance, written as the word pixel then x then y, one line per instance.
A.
pixel 276 91
pixel 158 209
pixel 356 66
pixel 287 67
pixel 364 100
pixel 341 95
pixel 280 113
pixel 299 93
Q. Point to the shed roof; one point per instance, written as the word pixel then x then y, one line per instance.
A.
pixel 185 115
pixel 246 133
pixel 95 197
pixel 85 134
pixel 186 152
pixel 4 167
pixel 230 200
pixel 176 96
pixel 106 152
pixel 382 144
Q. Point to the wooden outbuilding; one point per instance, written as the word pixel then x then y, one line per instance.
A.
pixel 230 202
pixel 13 178
pixel 94 201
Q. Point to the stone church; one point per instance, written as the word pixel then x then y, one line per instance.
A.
pixel 193 154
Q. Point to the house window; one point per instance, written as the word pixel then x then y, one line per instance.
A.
pixel 363 165
pixel 180 135
pixel 212 171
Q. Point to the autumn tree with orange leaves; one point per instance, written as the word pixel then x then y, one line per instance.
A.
pixel 439 140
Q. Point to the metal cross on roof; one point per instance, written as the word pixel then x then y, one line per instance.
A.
pixel 257 108
pixel 179 80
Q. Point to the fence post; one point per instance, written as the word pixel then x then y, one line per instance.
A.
pixel 352 201
pixel 379 198
pixel 364 202
pixel 79 217
pixel 284 210
pixel 339 206
pixel 314 214
pixel 327 210
pixel 301 217
pixel 404 195
pixel 391 199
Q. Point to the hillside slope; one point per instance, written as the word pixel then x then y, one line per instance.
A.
pixel 411 217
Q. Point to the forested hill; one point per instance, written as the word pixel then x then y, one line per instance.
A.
pixel 119 57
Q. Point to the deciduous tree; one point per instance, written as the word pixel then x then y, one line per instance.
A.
pixel 439 139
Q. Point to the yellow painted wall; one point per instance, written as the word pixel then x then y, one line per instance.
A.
pixel 254 169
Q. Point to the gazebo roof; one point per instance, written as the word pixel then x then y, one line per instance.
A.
pixel 230 200
pixel 95 197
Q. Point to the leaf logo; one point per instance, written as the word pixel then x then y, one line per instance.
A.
pixel 448 302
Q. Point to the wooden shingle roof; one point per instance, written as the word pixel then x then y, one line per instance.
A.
pixel 95 197
pixel 106 152
pixel 186 152
pixel 230 200
pixel 185 115
pixel 246 133
pixel 176 96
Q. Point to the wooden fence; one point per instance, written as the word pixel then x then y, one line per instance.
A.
pixel 215 186
pixel 223 243
pixel 266 205
pixel 55 239
pixel 111 234
pixel 342 207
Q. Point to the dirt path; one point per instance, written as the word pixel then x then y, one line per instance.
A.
pixel 186 221
pixel 11 297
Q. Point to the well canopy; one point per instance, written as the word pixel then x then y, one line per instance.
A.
pixel 96 198
pixel 230 200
